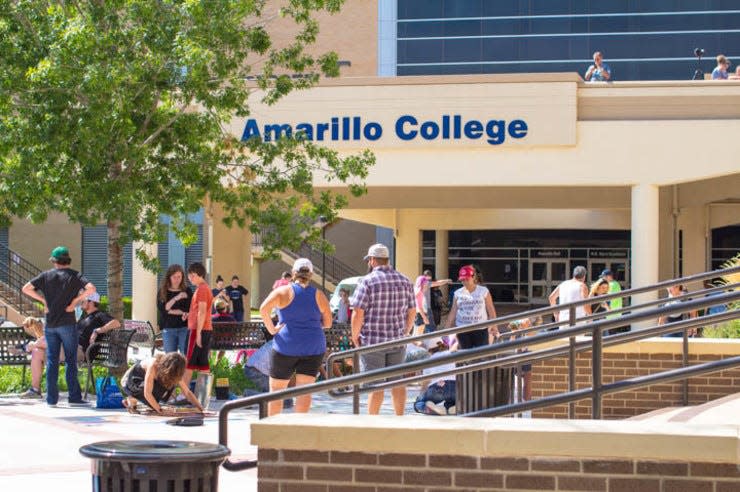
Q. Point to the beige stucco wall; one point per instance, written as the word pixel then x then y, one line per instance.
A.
pixel 35 241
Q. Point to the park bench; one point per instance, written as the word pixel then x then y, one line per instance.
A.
pixel 238 335
pixel 338 337
pixel 110 350
pixel 12 338
pixel 145 337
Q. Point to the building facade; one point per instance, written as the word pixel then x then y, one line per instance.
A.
pixel 492 150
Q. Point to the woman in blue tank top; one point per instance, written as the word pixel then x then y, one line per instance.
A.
pixel 299 343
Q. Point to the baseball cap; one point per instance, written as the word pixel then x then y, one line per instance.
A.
pixel 94 297
pixel 377 251
pixel 59 253
pixel 606 272
pixel 466 271
pixel 303 263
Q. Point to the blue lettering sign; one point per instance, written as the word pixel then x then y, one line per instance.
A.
pixel 407 128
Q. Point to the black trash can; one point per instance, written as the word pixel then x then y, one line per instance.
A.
pixel 482 389
pixel 160 466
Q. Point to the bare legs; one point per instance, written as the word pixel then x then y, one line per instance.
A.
pixel 398 395
pixel 302 403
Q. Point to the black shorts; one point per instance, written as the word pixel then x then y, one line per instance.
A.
pixel 283 366
pixel 472 339
pixel 198 356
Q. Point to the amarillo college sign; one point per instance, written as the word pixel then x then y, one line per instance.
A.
pixel 406 127
pixel 406 116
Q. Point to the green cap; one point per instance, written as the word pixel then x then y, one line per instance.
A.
pixel 59 253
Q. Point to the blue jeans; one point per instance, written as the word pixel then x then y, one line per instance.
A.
pixel 56 338
pixel 260 380
pixel 436 393
pixel 175 340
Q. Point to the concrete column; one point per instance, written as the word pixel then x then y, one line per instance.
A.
pixel 254 284
pixel 442 255
pixel 408 248
pixel 645 241
pixel 144 287
pixel 693 224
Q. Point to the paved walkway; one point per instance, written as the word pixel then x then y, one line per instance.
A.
pixel 40 444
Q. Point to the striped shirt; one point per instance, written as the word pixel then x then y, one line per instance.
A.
pixel 386 297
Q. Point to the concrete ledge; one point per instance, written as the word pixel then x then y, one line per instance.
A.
pixel 500 437
pixel 697 346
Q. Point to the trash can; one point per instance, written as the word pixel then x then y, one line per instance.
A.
pixel 155 465
pixel 485 388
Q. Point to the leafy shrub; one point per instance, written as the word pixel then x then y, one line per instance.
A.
pixel 126 306
pixel 11 379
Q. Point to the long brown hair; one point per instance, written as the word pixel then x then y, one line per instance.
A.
pixel 174 268
pixel 34 327
pixel 170 368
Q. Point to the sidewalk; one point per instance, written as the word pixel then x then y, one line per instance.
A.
pixel 40 444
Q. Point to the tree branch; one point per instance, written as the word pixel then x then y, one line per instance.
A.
pixel 162 128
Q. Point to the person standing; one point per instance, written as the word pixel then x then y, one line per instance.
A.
pixel 200 326
pixel 720 71
pixel 568 291
pixel 236 294
pixel 173 302
pixel 472 303
pixel 383 309
pixel 616 303
pixel 220 292
pixel 344 313
pixel 285 279
pixel 299 343
pixel 599 71
pixel 60 289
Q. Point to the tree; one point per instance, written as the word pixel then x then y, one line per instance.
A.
pixel 114 112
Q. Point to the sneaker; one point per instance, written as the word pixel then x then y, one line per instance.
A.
pixel 31 394
pixel 451 410
pixel 79 403
pixel 435 409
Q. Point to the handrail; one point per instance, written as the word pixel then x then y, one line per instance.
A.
pixel 541 311
pixel 478 353
pixel 15 271
pixel 336 269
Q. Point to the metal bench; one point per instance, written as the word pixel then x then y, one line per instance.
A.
pixel 145 337
pixel 338 337
pixel 110 350
pixel 238 335
pixel 12 338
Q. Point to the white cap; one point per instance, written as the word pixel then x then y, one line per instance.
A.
pixel 304 263
pixel 94 297
pixel 377 251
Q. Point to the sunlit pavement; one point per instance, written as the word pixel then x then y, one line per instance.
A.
pixel 40 444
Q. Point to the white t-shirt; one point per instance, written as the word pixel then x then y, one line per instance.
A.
pixel 471 306
pixel 570 291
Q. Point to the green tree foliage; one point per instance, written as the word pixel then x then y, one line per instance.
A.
pixel 114 112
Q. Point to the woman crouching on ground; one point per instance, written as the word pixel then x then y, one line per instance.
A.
pixel 153 380
pixel 299 343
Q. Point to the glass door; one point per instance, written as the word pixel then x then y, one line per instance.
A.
pixel 544 276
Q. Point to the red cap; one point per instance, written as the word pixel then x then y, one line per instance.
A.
pixel 466 271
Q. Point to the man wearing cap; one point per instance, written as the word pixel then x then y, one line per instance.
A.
pixel 94 322
pixel 383 309
pixel 60 289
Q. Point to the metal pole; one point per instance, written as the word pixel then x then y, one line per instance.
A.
pixel 596 373
pixel 685 363
pixel 323 259
pixel 572 363
pixel 355 388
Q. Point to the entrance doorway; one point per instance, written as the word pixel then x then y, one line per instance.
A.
pixel 544 276
pixel 618 267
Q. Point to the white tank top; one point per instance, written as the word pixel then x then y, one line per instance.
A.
pixel 471 306
pixel 570 291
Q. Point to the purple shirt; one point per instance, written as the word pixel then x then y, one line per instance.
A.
pixel 386 297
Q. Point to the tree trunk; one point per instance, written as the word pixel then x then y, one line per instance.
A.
pixel 115 270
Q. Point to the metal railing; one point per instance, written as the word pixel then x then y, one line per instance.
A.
pixel 336 270
pixel 481 357
pixel 15 271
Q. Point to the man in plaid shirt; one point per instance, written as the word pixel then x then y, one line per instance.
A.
pixel 383 309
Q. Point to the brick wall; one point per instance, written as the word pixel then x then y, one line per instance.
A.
pixel 551 377
pixel 334 471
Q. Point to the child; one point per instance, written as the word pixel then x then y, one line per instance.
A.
pixel 37 349
pixel 199 323
pixel 153 381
